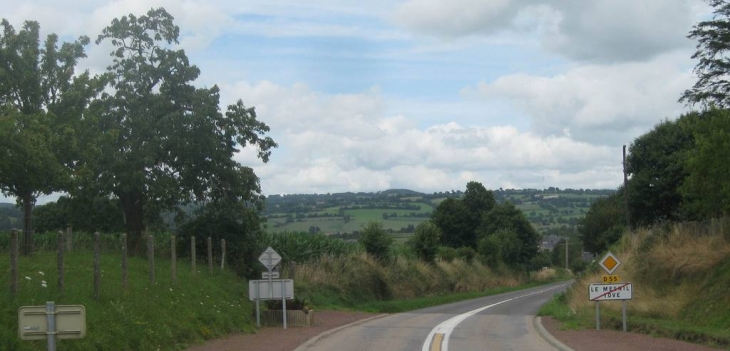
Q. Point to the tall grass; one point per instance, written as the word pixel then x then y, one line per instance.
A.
pixel 680 275
pixel 165 316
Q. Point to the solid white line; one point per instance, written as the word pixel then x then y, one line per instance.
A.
pixel 447 327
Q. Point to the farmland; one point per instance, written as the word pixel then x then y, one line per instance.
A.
pixel 402 210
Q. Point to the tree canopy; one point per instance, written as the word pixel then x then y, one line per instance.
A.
pixel 40 105
pixel 155 140
pixel 712 87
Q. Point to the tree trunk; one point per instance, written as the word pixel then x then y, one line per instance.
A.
pixel 28 202
pixel 133 206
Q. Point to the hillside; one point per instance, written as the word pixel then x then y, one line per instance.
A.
pixel 401 210
pixel 680 275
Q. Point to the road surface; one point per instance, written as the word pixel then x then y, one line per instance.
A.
pixel 499 322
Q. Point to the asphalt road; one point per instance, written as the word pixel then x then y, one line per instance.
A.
pixel 499 322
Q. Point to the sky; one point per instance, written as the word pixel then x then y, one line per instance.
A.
pixel 425 94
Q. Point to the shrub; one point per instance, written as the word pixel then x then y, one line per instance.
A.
pixel 376 241
pixel 425 241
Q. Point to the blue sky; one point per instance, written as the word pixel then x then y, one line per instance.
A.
pixel 426 94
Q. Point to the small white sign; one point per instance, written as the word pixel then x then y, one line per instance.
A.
pixel 270 258
pixel 272 275
pixel 603 292
pixel 278 289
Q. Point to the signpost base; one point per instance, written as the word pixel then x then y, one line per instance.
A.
pixel 598 316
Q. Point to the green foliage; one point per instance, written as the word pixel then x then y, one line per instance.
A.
pixel 242 233
pixel 157 140
pixel 166 316
pixel 304 247
pixel 521 245
pixel 656 164
pixel 39 109
pixel 99 214
pixel 376 241
pixel 425 241
pixel 712 87
pixel 706 190
pixel 604 223
pixel 501 247
pixel 447 253
pixel 453 219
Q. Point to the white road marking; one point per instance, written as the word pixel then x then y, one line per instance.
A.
pixel 447 327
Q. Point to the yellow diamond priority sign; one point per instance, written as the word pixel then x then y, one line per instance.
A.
pixel 609 263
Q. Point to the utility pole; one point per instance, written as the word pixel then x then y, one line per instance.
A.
pixel 566 253
pixel 626 194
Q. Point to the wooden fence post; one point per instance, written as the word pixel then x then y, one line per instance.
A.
pixel 125 272
pixel 210 255
pixel 97 265
pixel 151 257
pixel 223 254
pixel 59 251
pixel 192 253
pixel 173 258
pixel 14 262
pixel 69 239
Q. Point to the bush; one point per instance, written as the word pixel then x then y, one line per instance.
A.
pixel 376 241
pixel 243 238
pixel 446 253
pixel 425 241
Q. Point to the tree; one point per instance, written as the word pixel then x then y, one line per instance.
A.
pixel 656 164
pixel 706 190
pixel 40 104
pixel 506 218
pixel 425 241
pixel 376 241
pixel 712 87
pixel 452 218
pixel 604 223
pixel 159 141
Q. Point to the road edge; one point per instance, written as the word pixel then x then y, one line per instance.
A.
pixel 537 321
pixel 316 338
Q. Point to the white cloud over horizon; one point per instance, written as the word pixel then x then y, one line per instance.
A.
pixel 425 94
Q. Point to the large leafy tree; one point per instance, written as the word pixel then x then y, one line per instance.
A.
pixel 604 223
pixel 453 219
pixel 159 140
pixel 706 190
pixel 40 105
pixel 713 36
pixel 517 238
pixel 656 164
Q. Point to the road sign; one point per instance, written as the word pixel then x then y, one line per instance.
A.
pixel 270 258
pixel 272 275
pixel 603 292
pixel 610 278
pixel 70 322
pixel 275 289
pixel 609 263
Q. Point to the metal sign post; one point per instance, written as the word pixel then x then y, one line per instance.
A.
pixel 616 291
pixel 52 323
pixel 270 258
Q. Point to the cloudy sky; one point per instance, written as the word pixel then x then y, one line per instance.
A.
pixel 426 94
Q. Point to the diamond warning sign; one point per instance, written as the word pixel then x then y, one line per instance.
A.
pixel 609 263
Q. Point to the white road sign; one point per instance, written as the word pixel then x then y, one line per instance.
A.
pixel 271 289
pixel 270 258
pixel 272 275
pixel 603 292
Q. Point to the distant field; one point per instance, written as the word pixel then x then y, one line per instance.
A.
pixel 554 212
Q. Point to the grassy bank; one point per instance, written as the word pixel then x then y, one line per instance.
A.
pixel 163 316
pixel 680 275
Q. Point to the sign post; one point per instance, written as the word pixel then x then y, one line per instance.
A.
pixel 52 323
pixel 275 289
pixel 614 291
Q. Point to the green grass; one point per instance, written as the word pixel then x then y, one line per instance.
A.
pixel 165 316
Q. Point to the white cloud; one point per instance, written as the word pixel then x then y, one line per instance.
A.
pixel 597 31
pixel 594 103
pixel 346 142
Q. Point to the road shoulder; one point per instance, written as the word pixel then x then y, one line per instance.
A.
pixel 612 340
